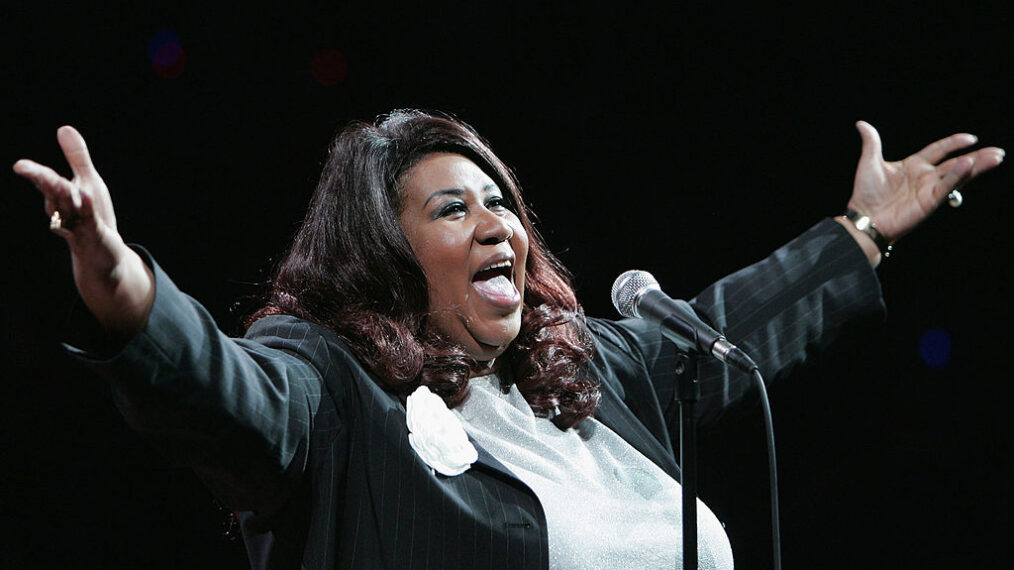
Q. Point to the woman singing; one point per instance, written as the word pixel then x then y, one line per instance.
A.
pixel 421 388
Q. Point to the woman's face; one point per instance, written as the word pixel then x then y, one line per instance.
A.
pixel 472 248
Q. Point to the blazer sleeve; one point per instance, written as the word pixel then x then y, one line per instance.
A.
pixel 240 412
pixel 782 310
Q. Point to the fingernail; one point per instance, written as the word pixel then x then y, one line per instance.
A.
pixel 975 139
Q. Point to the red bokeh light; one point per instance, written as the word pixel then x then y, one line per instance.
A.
pixel 329 67
pixel 165 51
pixel 170 60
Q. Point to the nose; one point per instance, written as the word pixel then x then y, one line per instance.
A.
pixel 493 229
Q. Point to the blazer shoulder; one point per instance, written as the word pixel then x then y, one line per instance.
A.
pixel 298 336
pixel 636 340
pixel 315 344
pixel 624 350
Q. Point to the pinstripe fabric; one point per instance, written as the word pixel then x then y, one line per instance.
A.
pixel 287 425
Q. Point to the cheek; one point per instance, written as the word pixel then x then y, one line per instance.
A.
pixel 521 249
pixel 444 260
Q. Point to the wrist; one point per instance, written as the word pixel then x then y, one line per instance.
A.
pixel 864 241
pixel 119 293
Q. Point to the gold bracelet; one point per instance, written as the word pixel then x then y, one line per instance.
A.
pixel 864 224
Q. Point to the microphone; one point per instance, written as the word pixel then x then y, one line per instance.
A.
pixel 636 294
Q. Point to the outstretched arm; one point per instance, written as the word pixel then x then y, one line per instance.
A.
pixel 115 284
pixel 239 411
pixel 898 196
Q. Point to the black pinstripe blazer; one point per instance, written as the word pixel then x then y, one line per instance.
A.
pixel 286 424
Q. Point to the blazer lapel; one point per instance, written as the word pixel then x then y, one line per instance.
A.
pixel 489 462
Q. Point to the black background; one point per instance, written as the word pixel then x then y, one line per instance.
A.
pixel 685 140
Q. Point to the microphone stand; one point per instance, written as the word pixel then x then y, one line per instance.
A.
pixel 688 392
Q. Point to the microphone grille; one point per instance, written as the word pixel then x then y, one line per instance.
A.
pixel 628 287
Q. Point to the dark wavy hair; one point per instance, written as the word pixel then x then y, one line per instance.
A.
pixel 350 268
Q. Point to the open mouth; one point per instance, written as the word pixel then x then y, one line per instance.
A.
pixel 495 283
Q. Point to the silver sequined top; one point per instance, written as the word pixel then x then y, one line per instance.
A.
pixel 606 504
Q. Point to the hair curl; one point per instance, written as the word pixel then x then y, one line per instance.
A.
pixel 350 268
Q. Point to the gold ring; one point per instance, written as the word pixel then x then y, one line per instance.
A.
pixel 56 225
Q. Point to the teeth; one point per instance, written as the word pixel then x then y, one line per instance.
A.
pixel 505 263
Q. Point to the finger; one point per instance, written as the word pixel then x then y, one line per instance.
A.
pixel 60 194
pixel 49 206
pixel 983 159
pixel 85 205
pixel 75 151
pixel 956 177
pixel 936 151
pixel 871 141
pixel 51 184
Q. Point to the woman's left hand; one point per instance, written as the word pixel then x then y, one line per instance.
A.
pixel 897 196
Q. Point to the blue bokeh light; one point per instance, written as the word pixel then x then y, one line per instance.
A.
pixel 935 348
pixel 166 54
pixel 158 43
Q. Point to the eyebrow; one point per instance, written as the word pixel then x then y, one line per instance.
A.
pixel 456 192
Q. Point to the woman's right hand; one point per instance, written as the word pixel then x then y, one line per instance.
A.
pixel 115 284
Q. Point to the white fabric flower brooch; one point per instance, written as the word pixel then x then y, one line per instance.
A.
pixel 436 434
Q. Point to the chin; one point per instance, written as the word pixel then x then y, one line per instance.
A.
pixel 495 342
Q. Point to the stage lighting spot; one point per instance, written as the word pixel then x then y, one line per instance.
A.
pixel 166 54
pixel 935 348
pixel 329 67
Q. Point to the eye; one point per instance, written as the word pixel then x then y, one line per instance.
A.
pixel 451 209
pixel 497 203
